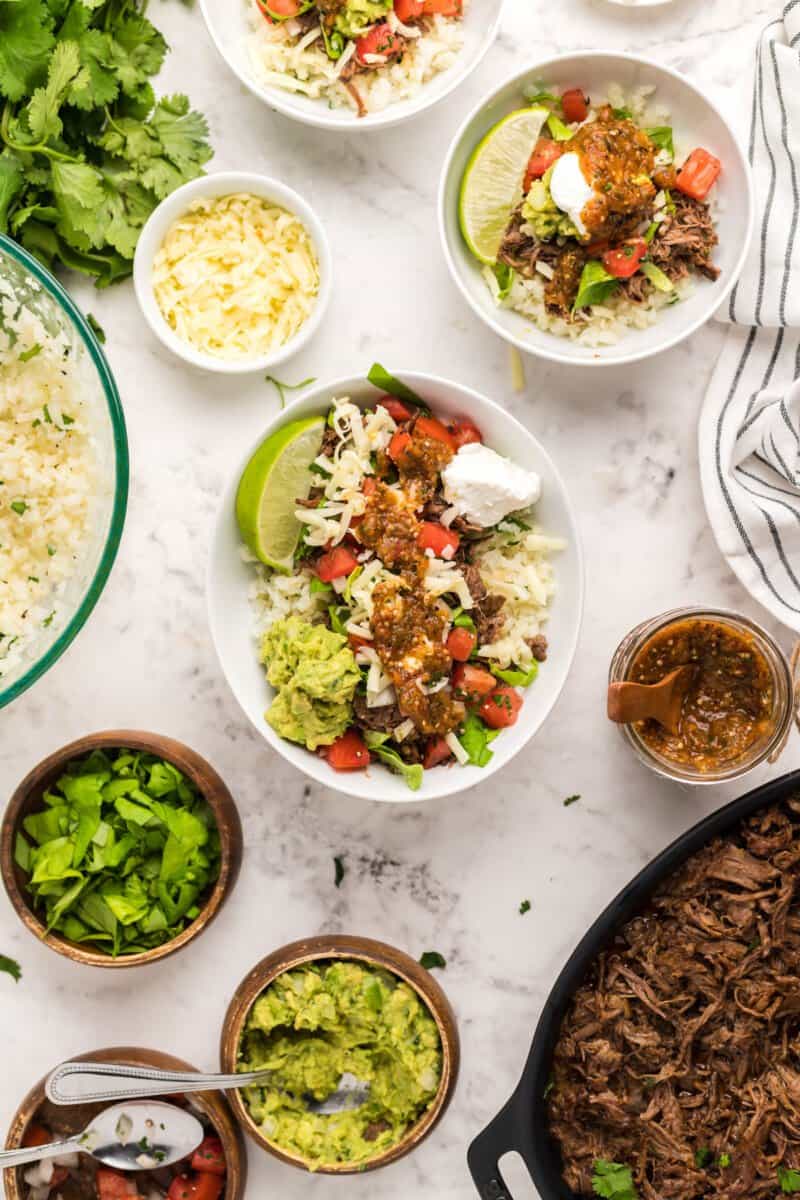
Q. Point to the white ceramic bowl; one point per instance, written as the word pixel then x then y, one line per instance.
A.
pixel 228 24
pixel 697 122
pixel 231 616
pixel 225 183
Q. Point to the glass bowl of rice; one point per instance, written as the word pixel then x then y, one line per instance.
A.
pixel 63 470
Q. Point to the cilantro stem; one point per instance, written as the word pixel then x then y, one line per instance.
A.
pixel 23 148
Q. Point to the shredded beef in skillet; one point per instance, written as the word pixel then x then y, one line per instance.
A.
pixel 685 240
pixel 681 1048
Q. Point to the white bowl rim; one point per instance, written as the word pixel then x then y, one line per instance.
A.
pixel 486 314
pixel 327 118
pixel 359 784
pixel 170 209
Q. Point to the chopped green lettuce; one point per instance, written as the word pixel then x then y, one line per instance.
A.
pixel 122 853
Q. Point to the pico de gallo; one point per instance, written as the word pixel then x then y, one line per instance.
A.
pixel 203 1176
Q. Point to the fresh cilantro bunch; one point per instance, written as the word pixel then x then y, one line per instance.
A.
pixel 123 854
pixel 86 150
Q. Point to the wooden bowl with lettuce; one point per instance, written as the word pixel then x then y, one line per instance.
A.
pixel 120 848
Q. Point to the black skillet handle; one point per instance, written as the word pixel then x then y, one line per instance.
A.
pixel 483 1156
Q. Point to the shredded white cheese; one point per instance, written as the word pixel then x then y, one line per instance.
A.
pixel 236 276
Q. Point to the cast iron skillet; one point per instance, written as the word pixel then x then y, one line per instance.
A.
pixel 521 1125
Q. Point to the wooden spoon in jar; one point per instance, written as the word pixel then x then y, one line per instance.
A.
pixel 662 701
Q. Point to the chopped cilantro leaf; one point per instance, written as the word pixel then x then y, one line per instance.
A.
pixel 613 1180
pixel 31 352
pixel 789 1179
pixel 18 506
pixel 431 959
pixel 571 800
pixel 702 1157
pixel 11 967
pixel 338 870
pixel 525 907
pixel 96 328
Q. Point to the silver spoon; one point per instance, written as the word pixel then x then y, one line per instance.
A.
pixel 81 1083
pixel 137 1136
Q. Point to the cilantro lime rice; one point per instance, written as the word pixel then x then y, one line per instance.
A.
pixel 52 482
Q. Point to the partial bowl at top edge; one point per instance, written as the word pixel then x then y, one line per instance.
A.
pixel 72 602
pixel 229 30
pixel 215 186
pixel 697 122
pixel 27 798
pixel 232 623
pixel 344 947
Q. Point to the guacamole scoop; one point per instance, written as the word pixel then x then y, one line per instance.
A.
pixel 317 1022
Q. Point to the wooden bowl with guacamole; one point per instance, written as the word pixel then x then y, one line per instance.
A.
pixel 120 848
pixel 346 1017
pixel 37 1116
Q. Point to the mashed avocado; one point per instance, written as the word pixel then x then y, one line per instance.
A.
pixel 315 674
pixel 314 1024
pixel 358 15
pixel 540 211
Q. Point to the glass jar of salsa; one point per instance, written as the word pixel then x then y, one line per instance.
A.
pixel 739 704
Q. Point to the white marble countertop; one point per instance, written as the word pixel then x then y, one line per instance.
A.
pixel 449 876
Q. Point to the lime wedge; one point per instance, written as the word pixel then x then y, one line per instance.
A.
pixel 276 476
pixel 492 184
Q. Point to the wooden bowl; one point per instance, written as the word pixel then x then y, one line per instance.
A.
pixel 344 946
pixel 213 1105
pixel 28 798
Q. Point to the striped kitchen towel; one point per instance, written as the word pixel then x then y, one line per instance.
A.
pixel 749 433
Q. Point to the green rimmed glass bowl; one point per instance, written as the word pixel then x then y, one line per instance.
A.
pixel 36 288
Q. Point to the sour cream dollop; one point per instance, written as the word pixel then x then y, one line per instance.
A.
pixel 484 486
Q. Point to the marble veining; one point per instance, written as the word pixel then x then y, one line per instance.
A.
pixel 449 876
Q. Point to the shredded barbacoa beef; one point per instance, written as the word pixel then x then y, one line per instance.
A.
pixel 522 251
pixel 685 240
pixel 383 719
pixel 538 647
pixel 678 1056
pixel 486 614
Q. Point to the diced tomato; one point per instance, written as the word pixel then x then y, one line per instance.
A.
pixel 501 708
pixel 429 427
pixel 369 486
pixel 113 1185
pixel 348 752
pixel 464 431
pixel 624 261
pixel 461 643
pixel 472 683
pixel 699 174
pixel 597 249
pixel 408 10
pixel 209 1156
pixel 37 1135
pixel 545 153
pixel 357 642
pixel 379 40
pixel 436 751
pixel 398 444
pixel 336 563
pixel 395 408
pixel 201 1186
pixel 181 1188
pixel 575 105
pixel 433 536
pixel 281 8
pixel 206 1186
pixel 445 8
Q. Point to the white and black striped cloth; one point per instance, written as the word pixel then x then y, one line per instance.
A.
pixel 750 424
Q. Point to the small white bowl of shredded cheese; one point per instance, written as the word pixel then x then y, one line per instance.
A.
pixel 233 272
